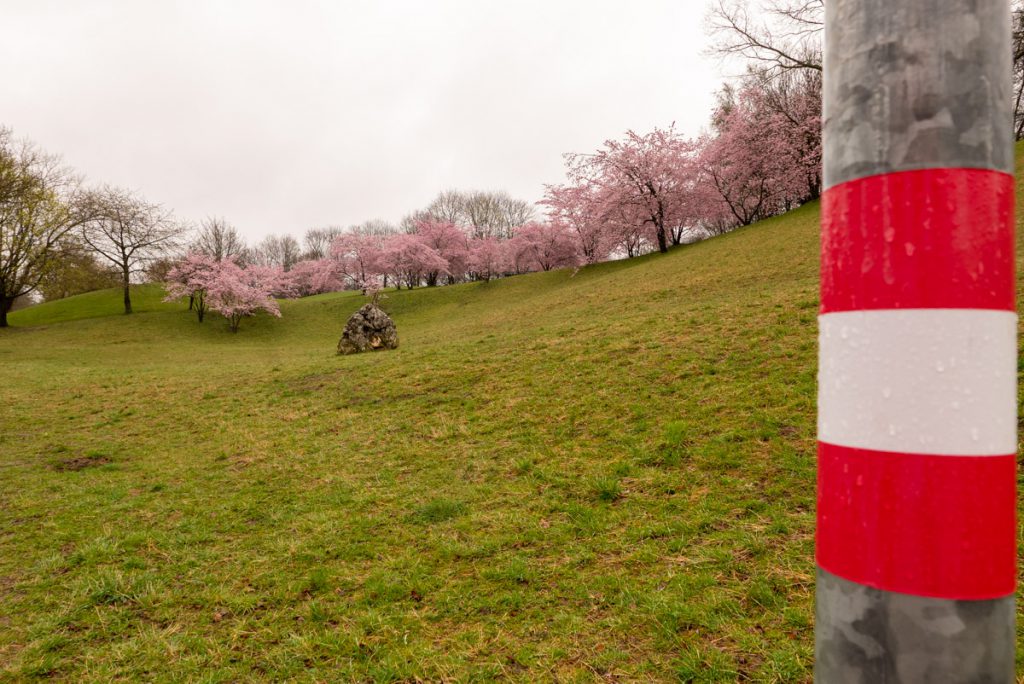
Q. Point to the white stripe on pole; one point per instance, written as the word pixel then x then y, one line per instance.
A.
pixel 919 381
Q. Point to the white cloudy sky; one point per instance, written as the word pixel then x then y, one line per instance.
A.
pixel 281 115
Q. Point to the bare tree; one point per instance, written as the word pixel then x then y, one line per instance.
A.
pixel 318 241
pixel 128 231
pixel 283 251
pixel 481 213
pixel 514 213
pixel 787 39
pixel 220 240
pixel 449 205
pixel 40 203
pixel 376 227
pixel 409 222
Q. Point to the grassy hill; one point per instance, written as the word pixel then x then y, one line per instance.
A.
pixel 555 478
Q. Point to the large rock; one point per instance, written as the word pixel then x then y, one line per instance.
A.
pixel 369 329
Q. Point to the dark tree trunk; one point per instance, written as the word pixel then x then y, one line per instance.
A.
pixel 127 294
pixel 662 242
pixel 5 305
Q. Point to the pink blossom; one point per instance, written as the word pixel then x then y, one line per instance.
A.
pixel 316 277
pixel 236 293
pixel 488 257
pixel 191 277
pixel 409 260
pixel 358 256
pixel 544 246
pixel 450 243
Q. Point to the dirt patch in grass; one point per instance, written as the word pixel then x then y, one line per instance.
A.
pixel 76 463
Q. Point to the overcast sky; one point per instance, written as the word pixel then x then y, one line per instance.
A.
pixel 284 115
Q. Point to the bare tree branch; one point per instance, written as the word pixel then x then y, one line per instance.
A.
pixel 791 41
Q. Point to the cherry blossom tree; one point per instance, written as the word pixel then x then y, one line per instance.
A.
pixel 759 162
pixel 191 277
pixel 488 258
pixel 450 243
pixel 646 172
pixel 581 209
pixel 545 246
pixel 316 276
pixel 792 103
pixel 408 259
pixel 237 293
pixel 358 255
pixel 274 278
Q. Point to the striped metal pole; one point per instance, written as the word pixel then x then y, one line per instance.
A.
pixel 917 426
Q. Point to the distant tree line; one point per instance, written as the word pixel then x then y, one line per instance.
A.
pixel 645 191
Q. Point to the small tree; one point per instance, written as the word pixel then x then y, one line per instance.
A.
pixel 237 293
pixel 128 232
pixel 192 278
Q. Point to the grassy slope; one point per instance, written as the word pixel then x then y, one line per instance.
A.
pixel 145 298
pixel 602 476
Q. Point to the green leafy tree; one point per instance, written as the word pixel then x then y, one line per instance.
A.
pixel 40 203
pixel 73 270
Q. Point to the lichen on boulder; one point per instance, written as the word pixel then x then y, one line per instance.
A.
pixel 369 329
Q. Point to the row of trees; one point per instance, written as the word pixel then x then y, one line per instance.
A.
pixel 434 253
pixel 480 214
pixel 761 156
pixel 59 237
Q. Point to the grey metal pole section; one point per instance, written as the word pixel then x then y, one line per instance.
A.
pixel 917 376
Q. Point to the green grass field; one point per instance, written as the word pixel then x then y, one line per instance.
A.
pixel 606 476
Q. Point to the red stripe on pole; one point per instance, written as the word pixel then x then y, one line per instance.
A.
pixel 934 238
pixel 940 526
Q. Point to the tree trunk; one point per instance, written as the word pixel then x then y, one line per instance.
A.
pixel 662 242
pixel 5 305
pixel 127 294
